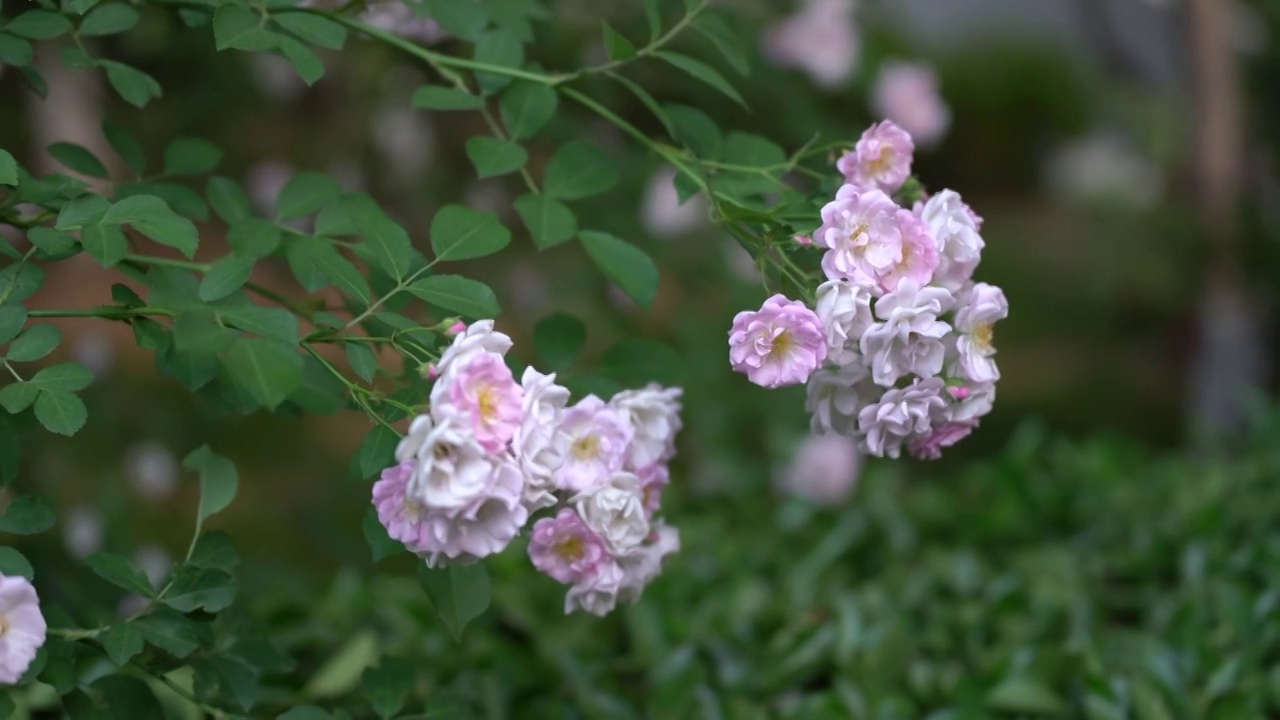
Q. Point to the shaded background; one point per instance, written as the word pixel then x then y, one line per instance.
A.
pixel 1122 153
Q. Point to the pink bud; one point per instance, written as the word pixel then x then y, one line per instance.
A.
pixel 958 392
pixel 432 372
pixel 457 328
pixel 803 239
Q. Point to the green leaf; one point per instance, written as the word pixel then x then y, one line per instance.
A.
pixel 268 322
pixel 458 294
pixel 136 87
pixel 77 59
pixel 10 452
pixel 15 51
pixel 745 149
pixel 197 330
pixel 123 642
pixel 171 632
pixel 105 243
pixel 34 343
pixel 226 276
pixel 182 199
pixel 27 515
pixel 315 29
pixel 430 97
pixel 12 318
pixel 460 593
pixel 219 480
pixel 269 369
pixel 527 107
pixel 84 210
pixel 493 156
pixel 548 220
pixel 14 563
pixel 320 392
pixel 559 339
pixel 637 361
pixel 22 281
pixel 1025 695
pixel 228 678
pixel 497 47
pixel 191 156
pixel 121 572
pixel 126 146
pixel 254 238
pixel 363 360
pixel 460 233
pixel 61 412
pixel 462 18
pixel 67 377
pixel 701 71
pixel 306 193
pixel 376 452
pixel 305 712
pixel 341 674
pixel 387 686
pixel 579 169
pixel 200 588
pixel 653 15
pixel 627 265
pixel 78 159
pixel 35 80
pixel 215 550
pixel 387 242
pixel 39 25
pixel 82 6
pixel 228 200
pixel 725 39
pixel 8 166
pixel 235 27
pixel 617 47
pixel 150 216
pixel 109 19
pixel 53 243
pixel 316 263
pixel 18 396
pixel 306 63
pixel 380 543
pixel 696 130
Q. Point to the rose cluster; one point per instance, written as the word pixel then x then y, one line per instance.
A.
pixel 492 452
pixel 897 350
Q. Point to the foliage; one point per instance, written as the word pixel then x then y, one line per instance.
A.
pixel 354 337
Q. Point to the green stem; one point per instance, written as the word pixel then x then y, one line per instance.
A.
pixel 647 50
pixel 13 281
pixel 78 633
pixel 439 59
pixel 106 312
pixel 373 306
pixel 204 268
pixel 13 372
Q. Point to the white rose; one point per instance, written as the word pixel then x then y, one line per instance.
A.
pixel 615 511
pixel 960 245
pixel 452 469
pixel 845 311
pixel 482 528
pixel 983 306
pixel 653 414
pixel 540 445
pixel 909 339
pixel 598 594
pixel 901 414
pixel 836 396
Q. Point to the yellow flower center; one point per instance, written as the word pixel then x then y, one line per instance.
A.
pixel 4 626
pixel 858 231
pixel 487 399
pixel 881 163
pixel 782 344
pixel 586 447
pixel 983 335
pixel 570 549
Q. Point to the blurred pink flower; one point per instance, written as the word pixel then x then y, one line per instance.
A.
pixel 566 549
pixel 662 213
pixel 820 40
pixel 881 160
pixel 824 469
pixel 22 627
pixel 907 94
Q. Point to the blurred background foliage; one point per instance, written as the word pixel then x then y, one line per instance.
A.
pixel 1078 556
